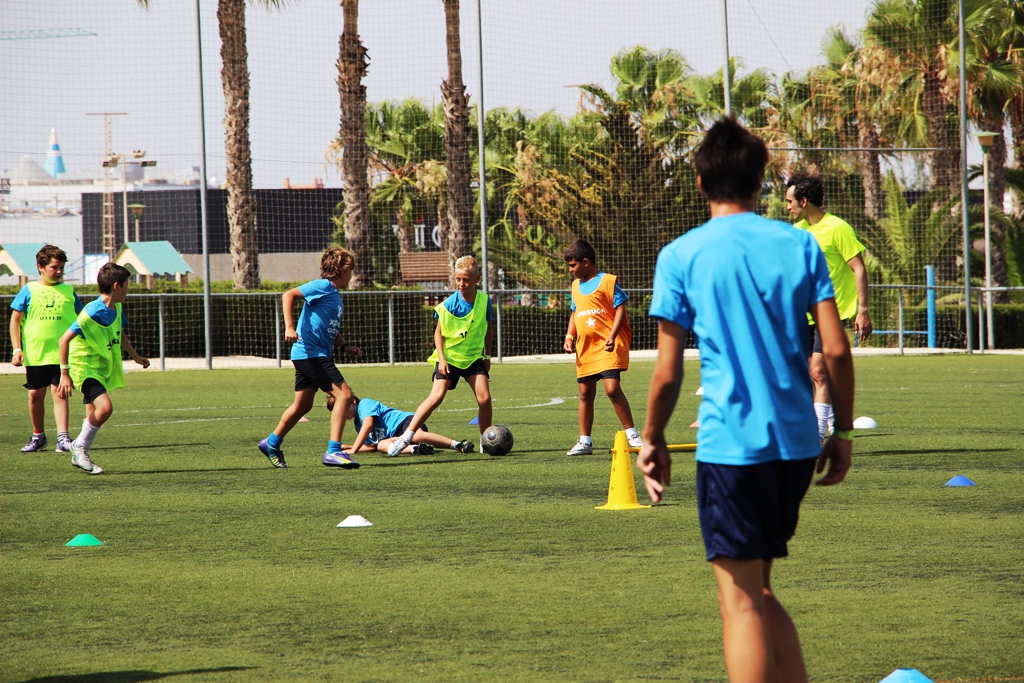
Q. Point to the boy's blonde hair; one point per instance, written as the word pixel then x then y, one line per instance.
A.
pixel 336 261
pixel 468 264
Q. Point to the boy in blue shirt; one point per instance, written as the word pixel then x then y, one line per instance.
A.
pixel 379 425
pixel 744 285
pixel 43 312
pixel 462 349
pixel 313 356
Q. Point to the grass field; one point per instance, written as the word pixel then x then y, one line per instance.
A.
pixel 216 567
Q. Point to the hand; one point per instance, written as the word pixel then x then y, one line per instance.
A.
pixel 838 455
pixel 609 344
pixel 352 350
pixel 66 386
pixel 442 367
pixel 862 324
pixel 18 358
pixel 290 335
pixel 569 346
pixel 144 362
pixel 656 464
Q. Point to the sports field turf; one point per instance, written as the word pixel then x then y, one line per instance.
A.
pixel 216 567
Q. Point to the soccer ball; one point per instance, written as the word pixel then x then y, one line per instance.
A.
pixel 496 440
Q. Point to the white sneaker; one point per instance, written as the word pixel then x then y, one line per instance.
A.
pixel 399 445
pixel 80 458
pixel 635 441
pixel 580 448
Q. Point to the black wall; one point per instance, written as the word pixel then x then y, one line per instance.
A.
pixel 286 220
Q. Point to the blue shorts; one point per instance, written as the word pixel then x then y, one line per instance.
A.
pixel 604 374
pixel 749 512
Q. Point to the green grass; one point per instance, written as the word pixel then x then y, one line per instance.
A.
pixel 216 567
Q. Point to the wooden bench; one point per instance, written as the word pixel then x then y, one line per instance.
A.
pixel 424 266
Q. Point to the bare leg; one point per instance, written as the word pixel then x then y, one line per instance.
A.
pixel 619 401
pixel 482 389
pixel 436 440
pixel 789 657
pixel 100 410
pixel 342 397
pixel 437 393
pixel 587 390
pixel 36 409
pixel 819 378
pixel 60 409
pixel 302 404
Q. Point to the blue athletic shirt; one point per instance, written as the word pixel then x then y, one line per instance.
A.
pixel 590 286
pixel 319 321
pixel 460 308
pixel 743 285
pixel 386 421
pixel 99 312
pixel 24 298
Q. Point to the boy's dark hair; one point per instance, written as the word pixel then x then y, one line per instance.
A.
pixel 335 261
pixel 731 161
pixel 48 253
pixel 109 274
pixel 807 186
pixel 579 250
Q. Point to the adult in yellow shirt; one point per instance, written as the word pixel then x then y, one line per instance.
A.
pixel 805 196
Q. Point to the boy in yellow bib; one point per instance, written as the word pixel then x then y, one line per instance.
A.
pixel 600 335
pixel 462 349
pixel 43 311
pixel 90 358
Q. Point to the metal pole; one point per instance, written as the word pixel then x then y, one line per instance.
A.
pixel 497 317
pixel 988 255
pixel 481 146
pixel 899 301
pixel 207 313
pixel 163 350
pixel 277 330
pixel 391 329
pixel 124 197
pixel 963 168
pixel 981 322
pixel 930 278
pixel 726 74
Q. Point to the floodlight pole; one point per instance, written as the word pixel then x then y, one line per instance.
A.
pixel 481 147
pixel 963 172
pixel 208 337
pixel 726 75
pixel 986 143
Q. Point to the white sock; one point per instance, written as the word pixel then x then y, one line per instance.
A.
pixel 631 433
pixel 407 437
pixel 831 420
pixel 585 440
pixel 821 411
pixel 87 434
pixel 454 444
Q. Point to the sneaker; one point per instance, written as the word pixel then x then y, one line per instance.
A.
pixel 636 442
pixel 464 447
pixel 399 445
pixel 580 448
pixel 340 459
pixel 80 458
pixel 422 449
pixel 274 455
pixel 36 443
pixel 63 445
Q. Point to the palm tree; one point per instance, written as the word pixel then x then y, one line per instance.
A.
pixel 352 63
pixel 457 142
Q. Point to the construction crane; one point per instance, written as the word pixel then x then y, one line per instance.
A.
pixel 44 33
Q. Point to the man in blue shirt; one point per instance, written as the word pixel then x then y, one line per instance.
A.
pixel 744 285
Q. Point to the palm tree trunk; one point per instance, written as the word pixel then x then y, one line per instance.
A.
pixel 352 63
pixel 1015 109
pixel 871 172
pixel 944 161
pixel 456 134
pixel 245 265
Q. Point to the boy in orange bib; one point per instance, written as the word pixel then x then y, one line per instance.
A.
pixel 599 334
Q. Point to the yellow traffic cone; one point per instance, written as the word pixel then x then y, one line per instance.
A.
pixel 621 487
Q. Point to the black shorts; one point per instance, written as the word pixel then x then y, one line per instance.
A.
pixel 39 376
pixel 815 337
pixel 749 512
pixel 91 389
pixel 454 373
pixel 404 427
pixel 604 374
pixel 320 372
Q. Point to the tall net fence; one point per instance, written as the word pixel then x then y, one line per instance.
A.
pixel 592 115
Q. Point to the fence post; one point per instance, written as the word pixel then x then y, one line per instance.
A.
pixel 160 316
pixel 497 314
pixel 981 322
pixel 391 329
pixel 277 330
pixel 930 275
pixel 899 307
